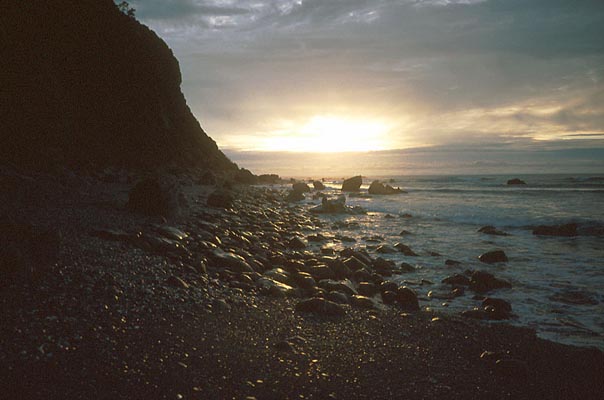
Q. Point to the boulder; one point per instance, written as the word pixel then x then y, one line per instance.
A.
pixel 406 250
pixel 320 307
pixel 331 206
pixel 407 298
pixel 494 256
pixel 385 249
pixel 363 302
pixel 274 288
pixel 457 279
pixel 156 197
pixel 300 187
pixel 497 309
pixel 231 261
pixel 367 289
pixel 296 243
pixel 516 181
pixel 482 282
pixel 352 184
pixel 220 198
pixel 318 185
pixel 294 196
pixel 567 230
pixel 379 188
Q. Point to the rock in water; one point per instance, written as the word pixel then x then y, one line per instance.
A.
pixel 567 230
pixel 300 187
pixel 352 184
pixel 516 181
pixel 153 196
pixel 294 196
pixel 494 256
pixel 377 187
pixel 331 206
pixel 482 282
pixel 318 185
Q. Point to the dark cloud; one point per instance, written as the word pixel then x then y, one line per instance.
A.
pixel 173 10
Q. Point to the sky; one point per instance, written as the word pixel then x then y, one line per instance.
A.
pixel 369 75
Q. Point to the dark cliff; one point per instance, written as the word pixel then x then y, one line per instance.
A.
pixel 83 84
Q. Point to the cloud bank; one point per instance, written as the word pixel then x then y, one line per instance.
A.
pixel 441 72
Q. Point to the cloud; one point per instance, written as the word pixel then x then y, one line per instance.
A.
pixel 442 71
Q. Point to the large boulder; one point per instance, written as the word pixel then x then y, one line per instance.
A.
pixel 379 188
pixel 156 197
pixel 331 206
pixel 352 184
pixel 300 187
pixel 407 298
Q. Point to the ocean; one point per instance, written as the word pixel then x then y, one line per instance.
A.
pixel 558 282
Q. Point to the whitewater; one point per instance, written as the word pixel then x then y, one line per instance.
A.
pixel 558 282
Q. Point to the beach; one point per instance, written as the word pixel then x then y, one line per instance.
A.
pixel 108 302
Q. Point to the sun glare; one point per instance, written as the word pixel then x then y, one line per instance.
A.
pixel 325 134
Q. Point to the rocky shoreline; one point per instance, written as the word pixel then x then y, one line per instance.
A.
pixel 233 292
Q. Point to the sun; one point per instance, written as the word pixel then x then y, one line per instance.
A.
pixel 327 134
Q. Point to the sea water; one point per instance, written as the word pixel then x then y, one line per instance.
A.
pixel 446 213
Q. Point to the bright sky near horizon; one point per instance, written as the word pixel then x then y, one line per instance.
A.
pixel 351 75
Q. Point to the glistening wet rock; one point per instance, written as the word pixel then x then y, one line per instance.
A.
pixel 320 307
pixel 482 282
pixel 352 184
pixel 494 256
pixel 407 298
pixel 379 188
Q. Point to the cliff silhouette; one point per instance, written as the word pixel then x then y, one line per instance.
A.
pixel 82 84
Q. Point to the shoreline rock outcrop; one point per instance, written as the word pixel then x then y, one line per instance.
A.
pixel 89 86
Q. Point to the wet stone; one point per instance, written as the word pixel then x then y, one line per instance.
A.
pixel 407 299
pixel 482 282
pixel 367 289
pixel 296 243
pixel 320 307
pixel 406 250
pixel 363 302
pixel 337 297
pixel 495 256
pixel 457 279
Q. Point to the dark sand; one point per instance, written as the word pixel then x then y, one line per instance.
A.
pixel 103 321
